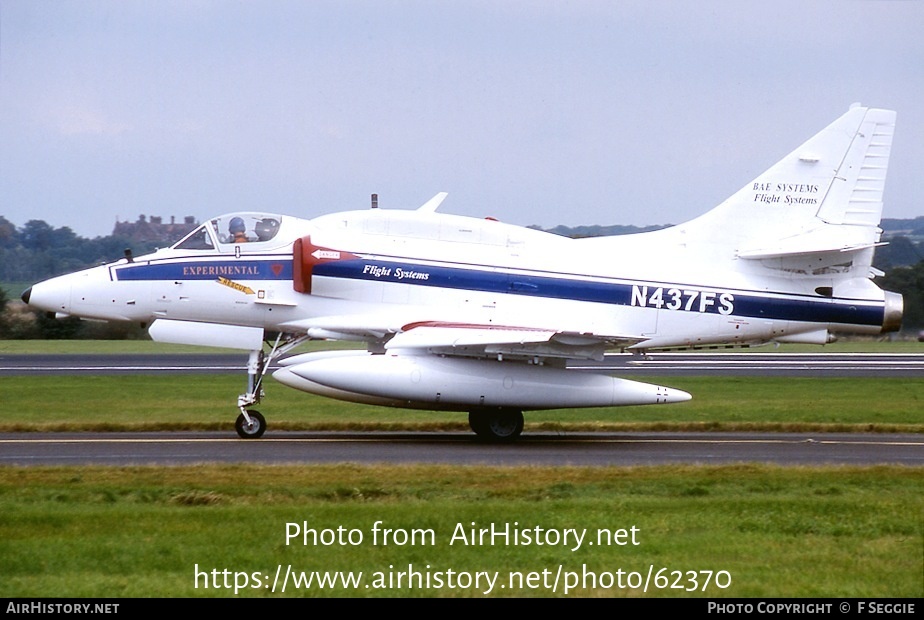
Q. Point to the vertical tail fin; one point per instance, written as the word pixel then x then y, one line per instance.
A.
pixel 824 198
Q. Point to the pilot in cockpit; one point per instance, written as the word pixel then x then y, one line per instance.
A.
pixel 237 229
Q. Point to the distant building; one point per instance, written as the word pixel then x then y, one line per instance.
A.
pixel 152 229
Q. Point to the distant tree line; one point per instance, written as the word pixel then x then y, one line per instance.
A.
pixel 38 251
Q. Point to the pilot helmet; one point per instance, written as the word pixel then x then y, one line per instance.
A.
pixel 266 228
pixel 236 225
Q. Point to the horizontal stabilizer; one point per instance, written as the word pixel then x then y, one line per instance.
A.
pixel 827 240
pixel 781 253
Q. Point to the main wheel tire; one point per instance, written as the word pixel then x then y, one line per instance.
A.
pixel 501 426
pixel 477 420
pixel 255 429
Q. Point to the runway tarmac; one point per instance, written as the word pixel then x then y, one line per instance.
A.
pixel 576 449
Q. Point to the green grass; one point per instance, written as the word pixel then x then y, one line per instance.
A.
pixel 208 402
pixel 778 532
pixel 822 532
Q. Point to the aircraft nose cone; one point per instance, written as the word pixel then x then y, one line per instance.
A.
pixel 26 294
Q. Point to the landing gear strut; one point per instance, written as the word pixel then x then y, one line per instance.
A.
pixel 251 424
pixel 496 425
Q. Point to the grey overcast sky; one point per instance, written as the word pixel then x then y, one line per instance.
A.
pixel 535 112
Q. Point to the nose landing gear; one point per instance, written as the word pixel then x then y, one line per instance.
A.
pixel 251 424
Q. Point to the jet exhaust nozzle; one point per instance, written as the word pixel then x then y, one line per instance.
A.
pixel 892 313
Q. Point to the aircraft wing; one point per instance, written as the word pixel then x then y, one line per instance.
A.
pixel 461 335
pixel 476 340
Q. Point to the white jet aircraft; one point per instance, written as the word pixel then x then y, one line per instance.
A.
pixel 465 314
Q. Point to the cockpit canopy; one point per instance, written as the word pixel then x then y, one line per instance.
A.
pixel 232 229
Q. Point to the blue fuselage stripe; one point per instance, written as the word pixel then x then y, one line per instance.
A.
pixel 744 304
pixel 752 305
pixel 243 269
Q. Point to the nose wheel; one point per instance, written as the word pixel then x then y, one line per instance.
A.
pixel 250 425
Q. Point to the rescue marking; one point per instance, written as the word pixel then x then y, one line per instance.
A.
pixel 235 285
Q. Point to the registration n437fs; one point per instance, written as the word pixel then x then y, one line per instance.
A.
pixel 466 314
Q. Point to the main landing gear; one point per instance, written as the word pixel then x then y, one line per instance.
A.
pixel 496 425
pixel 251 424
